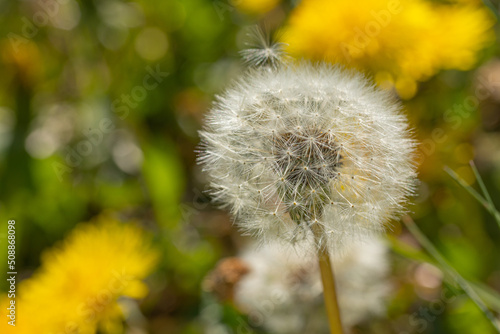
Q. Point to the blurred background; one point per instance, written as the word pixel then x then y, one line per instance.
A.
pixel 100 104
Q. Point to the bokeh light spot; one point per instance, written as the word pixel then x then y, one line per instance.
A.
pixel 151 43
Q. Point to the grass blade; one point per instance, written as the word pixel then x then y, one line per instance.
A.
pixel 486 194
pixel 487 203
pixel 464 284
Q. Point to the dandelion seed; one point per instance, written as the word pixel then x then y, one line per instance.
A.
pixel 262 51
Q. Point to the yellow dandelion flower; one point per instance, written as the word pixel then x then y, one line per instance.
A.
pixel 77 287
pixel 400 42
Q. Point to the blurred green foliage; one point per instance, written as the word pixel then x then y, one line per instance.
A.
pixel 61 79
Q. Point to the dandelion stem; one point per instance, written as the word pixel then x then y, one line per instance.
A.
pixel 328 280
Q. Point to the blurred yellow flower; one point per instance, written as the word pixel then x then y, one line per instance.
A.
pixel 400 42
pixel 77 286
pixel 255 6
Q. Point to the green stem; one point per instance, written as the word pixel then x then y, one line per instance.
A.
pixel 328 280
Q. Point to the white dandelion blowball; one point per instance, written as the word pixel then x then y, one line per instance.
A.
pixel 282 290
pixel 295 145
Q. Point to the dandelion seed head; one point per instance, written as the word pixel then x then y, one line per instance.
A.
pixel 315 144
pixel 282 287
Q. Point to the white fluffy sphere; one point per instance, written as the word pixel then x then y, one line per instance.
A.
pixel 282 291
pixel 291 146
